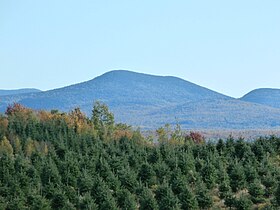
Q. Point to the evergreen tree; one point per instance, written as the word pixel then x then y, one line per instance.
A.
pixel 270 182
pixel 202 196
pixel 147 200
pixel 147 174
pixel 250 172
pixel 209 174
pixel 17 203
pixel 55 160
pixel 128 179
pixel 103 195
pixel 243 203
pixel 166 198
pixel 256 191
pixel 126 200
pixel 87 202
pixel 188 199
pixel 237 177
pixel 229 199
pixel 38 202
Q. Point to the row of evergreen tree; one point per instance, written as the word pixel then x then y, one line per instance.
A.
pixel 53 160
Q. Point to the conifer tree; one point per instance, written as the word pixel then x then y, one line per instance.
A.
pixel 237 177
pixel 202 196
pixel 188 199
pixel 166 198
pixel 147 200
pixel 147 174
pixel 256 191
pixel 243 203
pixel 126 200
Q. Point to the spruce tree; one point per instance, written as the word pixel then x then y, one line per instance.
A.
pixel 147 200
pixel 188 199
pixel 203 197
pixel 166 198
pixel 256 191
pixel 126 200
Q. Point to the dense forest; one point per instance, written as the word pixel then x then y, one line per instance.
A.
pixel 55 160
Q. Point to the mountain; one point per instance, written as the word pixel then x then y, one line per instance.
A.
pixel 19 91
pixel 151 101
pixel 265 96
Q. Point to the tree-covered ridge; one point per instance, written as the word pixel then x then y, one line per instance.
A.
pixel 18 91
pixel 53 160
pixel 149 102
pixel 264 96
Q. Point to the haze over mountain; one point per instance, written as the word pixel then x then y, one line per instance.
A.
pixel 18 91
pixel 151 101
pixel 265 96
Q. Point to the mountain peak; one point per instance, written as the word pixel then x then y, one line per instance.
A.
pixel 264 96
pixel 151 101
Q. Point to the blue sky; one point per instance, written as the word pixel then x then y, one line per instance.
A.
pixel 228 46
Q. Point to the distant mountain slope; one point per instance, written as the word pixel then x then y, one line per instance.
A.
pixel 119 88
pixel 19 91
pixel 152 101
pixel 264 96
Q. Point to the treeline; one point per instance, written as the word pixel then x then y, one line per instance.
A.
pixel 54 160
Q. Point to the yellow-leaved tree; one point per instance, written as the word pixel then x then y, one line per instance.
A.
pixel 6 147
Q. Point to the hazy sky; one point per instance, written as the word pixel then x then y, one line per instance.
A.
pixel 228 46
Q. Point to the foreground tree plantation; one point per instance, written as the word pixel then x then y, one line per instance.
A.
pixel 53 160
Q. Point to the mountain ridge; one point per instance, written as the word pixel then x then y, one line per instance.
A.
pixel 18 91
pixel 265 96
pixel 150 101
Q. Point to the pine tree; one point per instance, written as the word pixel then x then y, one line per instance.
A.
pixel 38 202
pixel 209 174
pixel 147 200
pixel 256 190
pixel 203 197
pixel 250 172
pixel 146 174
pixel 85 182
pixel 166 198
pixel 237 177
pixel 188 199
pixel 126 200
pixel 243 203
pixel 128 179
pixel 103 196
pixel 17 203
pixel 270 183
pixel 87 202
pixel 229 199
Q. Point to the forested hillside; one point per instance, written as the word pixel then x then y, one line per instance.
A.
pixel 55 160
pixel 264 96
pixel 19 91
pixel 150 101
